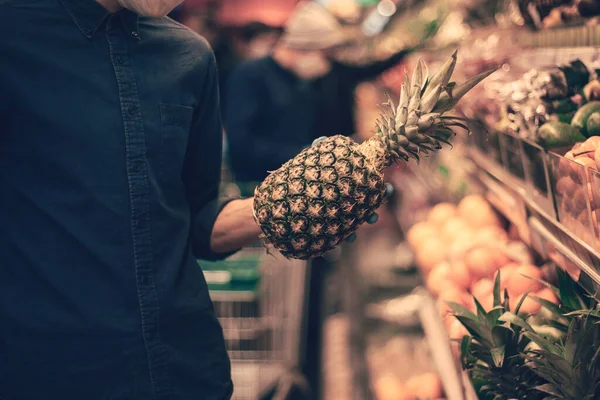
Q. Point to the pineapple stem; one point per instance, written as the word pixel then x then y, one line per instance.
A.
pixel 376 153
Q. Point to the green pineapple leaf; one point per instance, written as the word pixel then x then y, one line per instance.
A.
pixel 558 325
pixel 497 290
pixel 571 295
pixel 476 330
pixel 553 368
pixel 550 306
pixel 466 357
pixel 549 389
pixel 501 335
pixel 596 358
pixel 506 302
pixel 572 340
pixel 498 355
pixel 481 313
pixel 546 284
pixel 516 320
pixel 449 99
pixel 591 313
pixel 560 367
pixel 493 315
pixel 542 341
pixel 518 307
pixel 461 311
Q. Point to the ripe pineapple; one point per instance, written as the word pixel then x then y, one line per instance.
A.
pixel 319 198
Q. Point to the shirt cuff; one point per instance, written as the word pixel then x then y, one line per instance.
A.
pixel 203 224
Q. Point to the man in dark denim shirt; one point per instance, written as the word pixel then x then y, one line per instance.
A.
pixel 110 155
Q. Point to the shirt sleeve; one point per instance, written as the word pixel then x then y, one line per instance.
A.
pixel 244 114
pixel 202 167
pixel 371 71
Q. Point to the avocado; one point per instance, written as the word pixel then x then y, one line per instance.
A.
pixel 558 134
pixel 593 124
pixel 581 116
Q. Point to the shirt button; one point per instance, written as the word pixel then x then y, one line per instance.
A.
pixel 119 60
pixel 132 110
pixel 134 34
pixel 137 167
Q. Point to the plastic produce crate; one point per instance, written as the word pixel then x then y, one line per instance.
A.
pixel 571 196
pixel 513 156
pixel 594 193
pixel 487 143
pixel 537 176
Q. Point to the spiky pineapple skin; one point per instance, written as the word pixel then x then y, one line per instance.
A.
pixel 319 198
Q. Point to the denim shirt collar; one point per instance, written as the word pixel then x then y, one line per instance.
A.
pixel 89 15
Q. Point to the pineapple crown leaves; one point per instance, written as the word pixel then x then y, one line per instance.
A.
pixel 491 332
pixel 492 351
pixel 498 353
pixel 570 368
pixel 571 295
pixel 418 124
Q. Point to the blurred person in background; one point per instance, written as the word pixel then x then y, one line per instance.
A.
pixel 251 41
pixel 255 40
pixel 231 46
pixel 279 104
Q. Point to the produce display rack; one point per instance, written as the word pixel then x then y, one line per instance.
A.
pixel 562 37
pixel 538 227
pixel 518 177
pixel 533 211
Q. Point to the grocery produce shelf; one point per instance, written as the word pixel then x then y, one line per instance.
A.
pixel 421 305
pixel 577 36
pixel 559 37
pixel 537 228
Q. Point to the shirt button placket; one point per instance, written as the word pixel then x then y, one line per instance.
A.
pixel 139 192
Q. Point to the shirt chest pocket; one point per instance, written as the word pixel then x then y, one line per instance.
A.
pixel 176 123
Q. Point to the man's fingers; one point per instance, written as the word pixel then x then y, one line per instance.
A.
pixel 317 140
pixel 373 218
pixel 389 189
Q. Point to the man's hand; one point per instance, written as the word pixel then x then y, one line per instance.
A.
pixel 235 227
pixel 389 190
